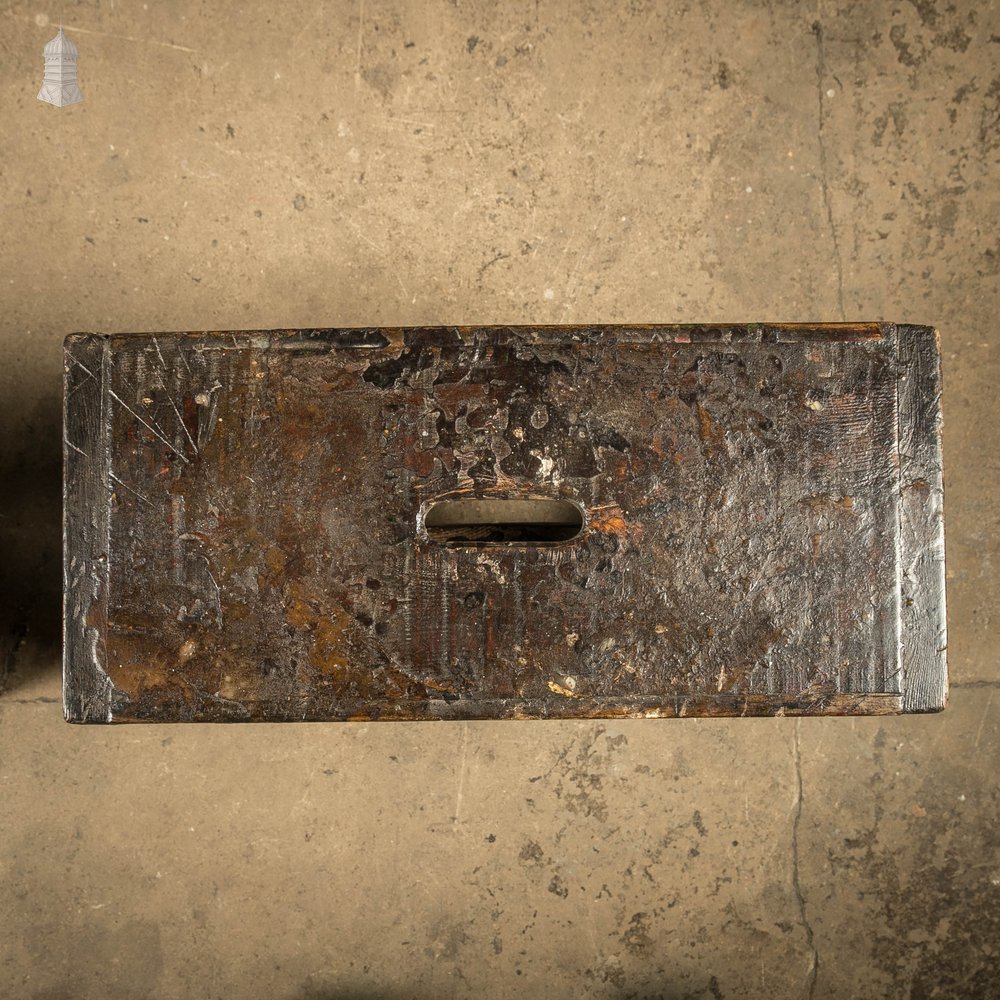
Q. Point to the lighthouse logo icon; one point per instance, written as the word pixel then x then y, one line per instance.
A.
pixel 59 86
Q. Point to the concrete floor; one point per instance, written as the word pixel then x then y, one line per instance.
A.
pixel 383 162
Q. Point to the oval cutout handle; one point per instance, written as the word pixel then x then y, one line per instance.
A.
pixel 484 521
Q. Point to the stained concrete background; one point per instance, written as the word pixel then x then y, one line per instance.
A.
pixel 382 162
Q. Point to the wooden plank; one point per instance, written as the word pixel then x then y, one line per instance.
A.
pixel 923 640
pixel 247 532
pixel 87 688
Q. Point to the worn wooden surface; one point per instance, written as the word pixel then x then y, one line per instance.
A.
pixel 244 533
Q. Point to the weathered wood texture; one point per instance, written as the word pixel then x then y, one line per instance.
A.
pixel 762 534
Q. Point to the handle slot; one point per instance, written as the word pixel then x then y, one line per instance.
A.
pixel 486 521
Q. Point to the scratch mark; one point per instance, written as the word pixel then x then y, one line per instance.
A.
pixel 461 774
pixel 114 395
pixel 131 38
pixel 362 236
pixel 408 122
pixel 70 444
pixel 80 385
pixel 399 281
pixel 159 354
pixel 982 721
pixel 163 385
pixel 173 405
pixel 796 884
pixel 81 364
pixel 129 488
pixel 468 145
pixel 202 177
pixel 108 34
pixel 823 166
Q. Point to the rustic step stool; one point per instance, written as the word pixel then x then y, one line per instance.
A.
pixel 503 522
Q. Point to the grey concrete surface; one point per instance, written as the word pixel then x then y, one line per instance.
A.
pixel 382 162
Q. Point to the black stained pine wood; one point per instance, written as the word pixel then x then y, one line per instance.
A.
pixel 761 512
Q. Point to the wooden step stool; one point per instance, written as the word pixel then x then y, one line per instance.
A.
pixel 503 522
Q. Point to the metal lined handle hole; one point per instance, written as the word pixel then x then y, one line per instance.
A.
pixel 477 521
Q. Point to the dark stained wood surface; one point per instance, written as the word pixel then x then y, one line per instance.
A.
pixel 762 527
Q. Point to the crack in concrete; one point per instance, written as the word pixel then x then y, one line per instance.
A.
pixel 817 29
pixel 796 884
